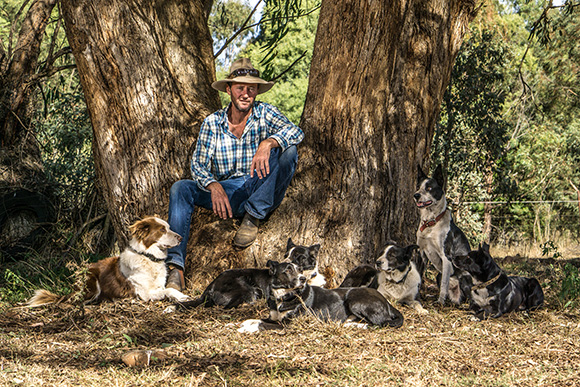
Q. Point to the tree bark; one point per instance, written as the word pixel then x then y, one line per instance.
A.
pixel 378 74
pixel 146 68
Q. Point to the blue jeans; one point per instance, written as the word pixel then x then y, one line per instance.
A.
pixel 253 195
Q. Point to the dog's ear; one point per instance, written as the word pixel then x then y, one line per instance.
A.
pixel 485 247
pixel 314 250
pixel 420 175
pixel 290 244
pixel 139 229
pixel 409 249
pixel 272 265
pixel 438 176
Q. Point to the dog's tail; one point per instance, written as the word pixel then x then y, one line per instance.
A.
pixel 43 297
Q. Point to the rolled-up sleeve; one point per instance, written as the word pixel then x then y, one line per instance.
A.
pixel 202 157
pixel 281 129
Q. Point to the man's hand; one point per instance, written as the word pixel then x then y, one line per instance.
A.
pixel 219 201
pixel 261 160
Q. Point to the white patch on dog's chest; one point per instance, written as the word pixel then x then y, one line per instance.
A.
pixel 145 275
pixel 403 291
pixel 276 315
pixel 481 297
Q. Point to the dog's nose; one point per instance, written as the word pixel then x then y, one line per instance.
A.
pixel 302 279
pixel 417 196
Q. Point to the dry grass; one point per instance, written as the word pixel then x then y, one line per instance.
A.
pixel 59 346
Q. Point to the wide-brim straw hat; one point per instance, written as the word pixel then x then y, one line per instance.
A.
pixel 242 71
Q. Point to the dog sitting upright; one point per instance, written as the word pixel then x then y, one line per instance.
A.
pixel 397 275
pixel 439 239
pixel 493 292
pixel 138 272
pixel 234 287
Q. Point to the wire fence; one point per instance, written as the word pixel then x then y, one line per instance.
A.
pixel 543 228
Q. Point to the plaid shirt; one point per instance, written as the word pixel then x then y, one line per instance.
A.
pixel 220 155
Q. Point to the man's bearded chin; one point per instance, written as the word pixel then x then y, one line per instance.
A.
pixel 245 110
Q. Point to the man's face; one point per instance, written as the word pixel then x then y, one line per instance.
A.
pixel 243 95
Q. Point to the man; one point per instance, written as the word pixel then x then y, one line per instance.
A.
pixel 243 162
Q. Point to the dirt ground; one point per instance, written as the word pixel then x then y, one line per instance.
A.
pixel 68 345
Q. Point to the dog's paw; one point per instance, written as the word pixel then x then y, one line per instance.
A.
pixel 170 309
pixel 419 309
pixel 356 325
pixel 250 326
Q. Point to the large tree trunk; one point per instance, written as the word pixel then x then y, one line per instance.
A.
pixel 146 68
pixel 379 71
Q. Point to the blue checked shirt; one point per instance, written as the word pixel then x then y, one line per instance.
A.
pixel 220 155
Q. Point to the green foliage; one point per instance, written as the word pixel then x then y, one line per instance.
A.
pixel 65 134
pixel 548 248
pixel 515 120
pixel 227 17
pixel 279 19
pixel 291 64
pixel 570 291
pixel 471 136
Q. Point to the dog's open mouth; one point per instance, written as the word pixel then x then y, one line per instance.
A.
pixel 424 204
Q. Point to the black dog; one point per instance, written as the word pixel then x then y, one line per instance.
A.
pixel 238 286
pixel 292 296
pixel 397 275
pixel 439 238
pixel 494 293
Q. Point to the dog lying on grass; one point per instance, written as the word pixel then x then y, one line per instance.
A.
pixel 494 293
pixel 292 296
pixel 235 287
pixel 396 275
pixel 139 271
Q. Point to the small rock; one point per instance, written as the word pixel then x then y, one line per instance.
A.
pixel 143 358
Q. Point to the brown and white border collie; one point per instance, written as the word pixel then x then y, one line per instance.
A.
pixel 139 271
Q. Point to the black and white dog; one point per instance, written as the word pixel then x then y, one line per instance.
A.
pixel 493 292
pixel 306 258
pixel 439 239
pixel 234 287
pixel 292 297
pixel 396 275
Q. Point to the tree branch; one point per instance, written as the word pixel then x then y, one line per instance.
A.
pixel 288 68
pixel 14 26
pixel 238 32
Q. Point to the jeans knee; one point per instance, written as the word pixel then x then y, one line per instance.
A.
pixel 181 188
pixel 289 157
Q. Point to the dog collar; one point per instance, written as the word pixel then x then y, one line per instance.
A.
pixel 432 222
pixel 486 284
pixel 148 255
pixel 405 276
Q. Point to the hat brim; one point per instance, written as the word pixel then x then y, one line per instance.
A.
pixel 263 86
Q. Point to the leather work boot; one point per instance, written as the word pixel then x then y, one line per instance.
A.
pixel 247 232
pixel 175 279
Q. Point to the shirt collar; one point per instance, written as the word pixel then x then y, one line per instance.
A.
pixel 256 114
